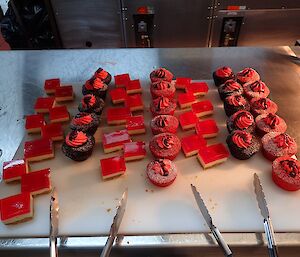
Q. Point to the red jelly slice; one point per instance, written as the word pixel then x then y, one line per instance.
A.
pixel 133 87
pixel 212 155
pixel 51 84
pixel 64 93
pixel 203 108
pixel 134 151
pixel 135 102
pixel 34 123
pixel 186 100
pixel 39 149
pixel 112 167
pixel 197 88
pixel 59 114
pixel 117 115
pixel 207 128
pixel 16 208
pixel 135 125
pixel 13 170
pixel 181 82
pixel 188 120
pixel 36 182
pixel 122 80
pixel 118 95
pixel 44 104
pixel 191 144
pixel 53 131
pixel 114 141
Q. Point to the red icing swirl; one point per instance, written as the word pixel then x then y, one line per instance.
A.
pixel 242 139
pixel 161 85
pixel 262 104
pixel 101 74
pixel 162 167
pixel 244 120
pixel 82 119
pixel 231 85
pixel 247 72
pixel 224 72
pixel 290 167
pixel 161 122
pixel 272 120
pixel 76 139
pixel 160 73
pixel 165 142
pixel 88 101
pixel 163 102
pixel 97 83
pixel 258 86
pixel 236 100
pixel 282 140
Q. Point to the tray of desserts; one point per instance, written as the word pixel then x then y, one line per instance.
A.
pixel 155 138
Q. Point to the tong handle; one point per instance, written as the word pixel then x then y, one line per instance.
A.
pixel 272 248
pixel 107 247
pixel 53 247
pixel 221 242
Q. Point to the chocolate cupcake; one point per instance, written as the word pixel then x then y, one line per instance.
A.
pixel 86 122
pixel 162 88
pixel 256 89
pixel 235 103
pixel 222 74
pixel 243 145
pixel 230 87
pixel 163 106
pixel 161 74
pixel 247 75
pixel 78 145
pixel 96 87
pixel 262 106
pixel 269 122
pixel 91 104
pixel 164 123
pixel 241 120
pixel 103 75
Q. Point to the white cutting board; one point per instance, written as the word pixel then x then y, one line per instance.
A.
pixel 88 204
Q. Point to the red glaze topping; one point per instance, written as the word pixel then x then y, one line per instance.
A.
pixel 76 138
pixel 231 85
pixel 163 103
pixel 290 167
pixel 244 120
pixel 95 83
pixel 160 73
pixel 272 120
pixel 258 86
pixel 242 139
pixel 112 166
pixel 162 167
pixel 224 72
pixel 236 100
pixel 101 74
pixel 165 142
pixel 247 72
pixel 82 118
pixel 262 104
pixel 88 101
pixel 161 85
pixel 161 122
pixel 36 181
pixel 283 140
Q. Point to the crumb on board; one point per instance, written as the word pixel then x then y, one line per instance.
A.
pixel 108 210
pixel 196 177
pixel 210 199
pixel 146 190
pixel 152 191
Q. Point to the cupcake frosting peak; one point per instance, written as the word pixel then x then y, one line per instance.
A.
pixel 82 118
pixel 160 73
pixel 162 167
pixel 165 142
pixel 272 120
pixel 244 120
pixel 282 140
pixel 101 74
pixel 88 100
pixel 290 167
pixel 163 102
pixel 258 86
pixel 242 139
pixel 231 85
pixel 162 121
pixel 224 72
pixel 161 85
pixel 262 104
pixel 247 72
pixel 236 100
pixel 76 138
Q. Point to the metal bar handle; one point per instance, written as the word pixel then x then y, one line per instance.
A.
pixel 53 247
pixel 221 242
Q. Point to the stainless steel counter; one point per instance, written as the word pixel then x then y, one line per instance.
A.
pixel 22 74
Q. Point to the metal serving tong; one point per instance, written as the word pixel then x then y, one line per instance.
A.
pixel 215 231
pixel 54 208
pixel 262 204
pixel 115 225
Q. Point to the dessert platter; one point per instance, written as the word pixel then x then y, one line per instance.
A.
pixel 155 137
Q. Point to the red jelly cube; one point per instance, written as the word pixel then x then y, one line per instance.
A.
pixel 44 104
pixel 122 80
pixel 133 87
pixel 186 100
pixel 51 84
pixel 64 93
pixel 135 102
pixel 59 114
pixel 188 120
pixel 197 88
pixel 134 151
pixel 117 115
pixel 39 149
pixel 13 170
pixel 111 167
pixel 191 144
pixel 53 131
pixel 118 95
pixel 34 123
pixel 203 108
pixel 114 141
pixel 207 128
pixel 135 125
pixel 181 82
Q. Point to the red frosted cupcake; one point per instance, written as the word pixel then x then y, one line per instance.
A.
pixel 91 104
pixel 164 123
pixel 262 106
pixel 161 74
pixel 103 75
pixel 230 87
pixel 86 122
pixel 162 88
pixel 235 103
pixel 286 173
pixel 269 122
pixel 165 145
pixel 163 106
pixel 241 120
pixel 161 172
pixel 247 75
pixel 256 89
pixel 96 87
pixel 221 75
pixel 278 144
